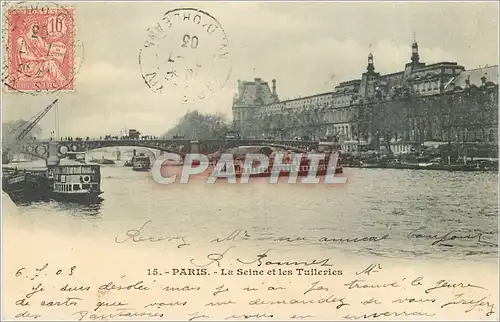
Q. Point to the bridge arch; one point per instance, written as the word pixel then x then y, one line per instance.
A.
pixel 286 147
pixel 40 148
pixel 83 146
pixel 149 151
pixel 215 145
pixel 36 150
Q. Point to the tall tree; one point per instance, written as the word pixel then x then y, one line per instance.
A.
pixel 195 125
pixel 10 131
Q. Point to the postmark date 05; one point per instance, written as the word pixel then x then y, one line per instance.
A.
pixel 179 272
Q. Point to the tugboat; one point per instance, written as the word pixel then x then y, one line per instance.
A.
pixel 141 162
pixel 75 183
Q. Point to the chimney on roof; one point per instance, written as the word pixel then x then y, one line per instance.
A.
pixel 415 58
pixel 370 68
pixel 241 87
pixel 274 87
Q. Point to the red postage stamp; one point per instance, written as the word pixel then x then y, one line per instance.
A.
pixel 40 49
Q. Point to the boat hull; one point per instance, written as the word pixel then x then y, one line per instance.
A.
pixel 319 173
pixel 141 169
pixel 435 167
pixel 45 185
pixel 26 187
pixel 102 161
pixel 301 173
pixel 369 165
pixel 81 198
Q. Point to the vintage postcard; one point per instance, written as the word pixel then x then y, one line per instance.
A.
pixel 250 161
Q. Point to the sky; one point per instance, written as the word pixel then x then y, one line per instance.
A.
pixel 307 47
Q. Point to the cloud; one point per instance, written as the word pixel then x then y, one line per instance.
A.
pixel 301 45
pixel 103 74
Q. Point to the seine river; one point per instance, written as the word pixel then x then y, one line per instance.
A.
pixel 424 214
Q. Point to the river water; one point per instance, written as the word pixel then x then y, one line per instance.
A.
pixel 373 203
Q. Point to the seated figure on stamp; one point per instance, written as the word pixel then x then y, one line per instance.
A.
pixel 35 58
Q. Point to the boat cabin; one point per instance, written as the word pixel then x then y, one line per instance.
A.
pixel 75 178
pixel 78 156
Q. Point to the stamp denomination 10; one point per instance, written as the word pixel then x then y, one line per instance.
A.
pixel 185 55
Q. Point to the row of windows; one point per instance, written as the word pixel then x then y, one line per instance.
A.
pixel 323 102
pixel 70 187
pixel 307 103
pixel 77 170
pixel 331 116
pixel 293 112
pixel 342 130
pixel 427 90
pixel 311 100
pixel 426 86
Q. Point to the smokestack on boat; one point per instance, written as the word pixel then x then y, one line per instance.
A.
pixel 53 159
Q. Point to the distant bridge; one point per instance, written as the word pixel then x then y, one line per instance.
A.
pixel 41 148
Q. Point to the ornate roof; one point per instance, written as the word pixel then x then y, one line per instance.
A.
pixel 254 93
pixel 475 77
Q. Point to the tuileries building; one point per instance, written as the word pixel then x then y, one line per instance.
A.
pixel 423 102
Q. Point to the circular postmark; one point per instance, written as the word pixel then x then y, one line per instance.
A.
pixel 42 54
pixel 186 55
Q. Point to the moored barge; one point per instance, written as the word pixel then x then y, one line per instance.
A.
pixel 25 186
pixel 76 182
pixel 287 169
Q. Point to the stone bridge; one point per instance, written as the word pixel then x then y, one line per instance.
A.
pixel 41 148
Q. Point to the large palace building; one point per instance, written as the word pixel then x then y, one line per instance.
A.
pixel 421 102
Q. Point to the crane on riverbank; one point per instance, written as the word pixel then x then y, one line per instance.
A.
pixel 25 129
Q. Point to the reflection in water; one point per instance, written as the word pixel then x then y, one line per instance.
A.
pixel 79 210
pixel 374 202
pixel 68 208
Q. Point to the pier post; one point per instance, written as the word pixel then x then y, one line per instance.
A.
pixel 194 147
pixel 53 159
